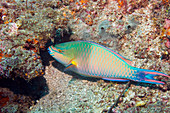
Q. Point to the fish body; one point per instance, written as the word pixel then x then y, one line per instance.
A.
pixel 94 60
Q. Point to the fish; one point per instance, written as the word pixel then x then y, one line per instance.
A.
pixel 94 60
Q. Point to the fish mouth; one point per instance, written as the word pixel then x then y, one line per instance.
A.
pixel 50 51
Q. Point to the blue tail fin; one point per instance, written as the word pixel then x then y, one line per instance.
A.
pixel 147 76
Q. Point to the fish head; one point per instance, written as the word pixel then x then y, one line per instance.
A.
pixel 63 53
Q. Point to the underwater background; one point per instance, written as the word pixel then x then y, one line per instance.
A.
pixel 31 81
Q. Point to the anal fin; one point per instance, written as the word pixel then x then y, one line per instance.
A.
pixel 71 66
pixel 116 79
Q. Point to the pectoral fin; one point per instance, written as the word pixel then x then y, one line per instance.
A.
pixel 71 66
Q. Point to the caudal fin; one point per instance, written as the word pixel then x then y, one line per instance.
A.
pixel 147 76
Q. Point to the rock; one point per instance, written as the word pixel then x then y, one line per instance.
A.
pixel 140 103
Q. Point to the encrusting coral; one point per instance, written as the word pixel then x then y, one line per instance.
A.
pixel 19 49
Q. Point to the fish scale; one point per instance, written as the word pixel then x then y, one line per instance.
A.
pixel 99 63
pixel 94 60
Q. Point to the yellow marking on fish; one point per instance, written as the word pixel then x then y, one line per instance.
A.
pixel 74 63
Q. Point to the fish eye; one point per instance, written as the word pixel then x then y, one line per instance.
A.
pixel 60 51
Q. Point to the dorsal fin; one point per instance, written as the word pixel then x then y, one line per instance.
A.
pixel 123 58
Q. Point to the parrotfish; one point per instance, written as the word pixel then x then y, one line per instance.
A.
pixel 94 60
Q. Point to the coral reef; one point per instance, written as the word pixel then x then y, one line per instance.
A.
pixel 19 47
pixel 24 32
pixel 138 30
pixel 19 57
